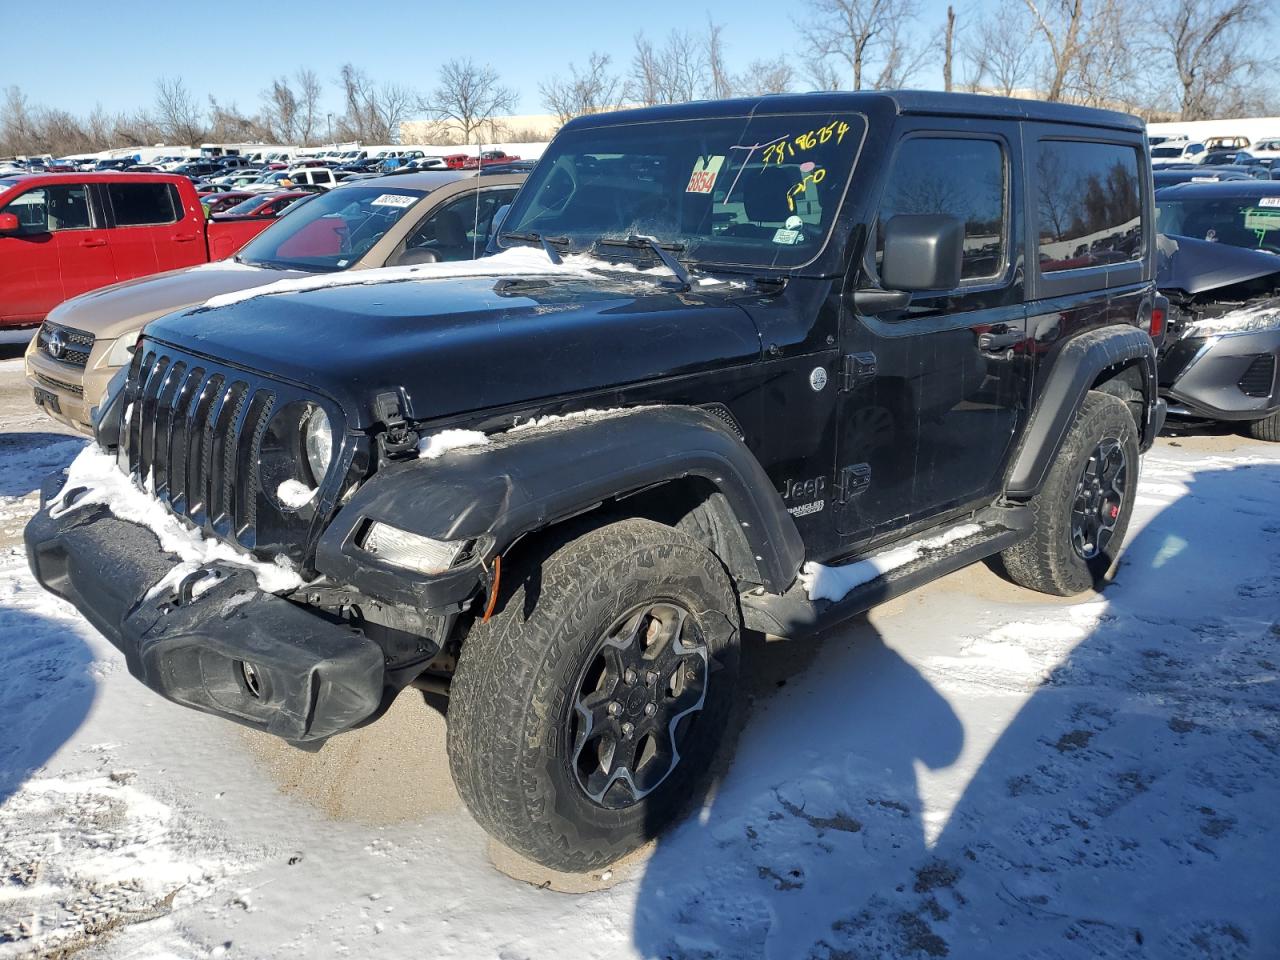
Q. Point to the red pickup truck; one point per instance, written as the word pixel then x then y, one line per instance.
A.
pixel 66 234
pixel 465 161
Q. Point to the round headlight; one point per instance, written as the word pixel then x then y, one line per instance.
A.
pixel 317 441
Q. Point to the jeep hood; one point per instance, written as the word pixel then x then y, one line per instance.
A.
pixel 1195 266
pixel 112 312
pixel 472 342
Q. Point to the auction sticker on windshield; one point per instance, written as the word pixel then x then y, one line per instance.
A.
pixel 393 200
pixel 705 171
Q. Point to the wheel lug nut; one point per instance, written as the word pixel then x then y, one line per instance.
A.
pixel 650 709
pixel 628 729
pixel 629 676
pixel 650 678
pixel 615 708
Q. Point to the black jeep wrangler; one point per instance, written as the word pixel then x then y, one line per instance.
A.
pixel 756 364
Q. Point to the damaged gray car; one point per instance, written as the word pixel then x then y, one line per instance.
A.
pixel 1219 266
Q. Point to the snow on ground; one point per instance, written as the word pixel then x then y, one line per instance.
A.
pixel 972 771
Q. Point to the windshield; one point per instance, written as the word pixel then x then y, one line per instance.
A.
pixel 760 191
pixel 332 231
pixel 1252 222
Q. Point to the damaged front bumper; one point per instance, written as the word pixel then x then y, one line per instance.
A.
pixel 225 647
pixel 1222 377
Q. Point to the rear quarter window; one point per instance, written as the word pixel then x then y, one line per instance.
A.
pixel 1088 204
pixel 144 204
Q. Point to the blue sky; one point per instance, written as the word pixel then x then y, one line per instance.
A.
pixel 112 53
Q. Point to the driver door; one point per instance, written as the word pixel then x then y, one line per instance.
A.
pixel 933 395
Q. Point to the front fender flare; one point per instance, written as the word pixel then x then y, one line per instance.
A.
pixel 525 480
pixel 1079 364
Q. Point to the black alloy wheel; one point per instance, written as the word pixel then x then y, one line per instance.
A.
pixel 1099 498
pixel 636 702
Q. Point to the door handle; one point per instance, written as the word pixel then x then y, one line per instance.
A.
pixel 93 243
pixel 183 237
pixel 999 341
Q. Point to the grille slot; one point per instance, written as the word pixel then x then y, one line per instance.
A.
pixel 193 436
pixel 1259 376
pixel 52 384
pixel 70 346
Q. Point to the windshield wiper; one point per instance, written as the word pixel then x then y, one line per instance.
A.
pixel 660 249
pixel 552 253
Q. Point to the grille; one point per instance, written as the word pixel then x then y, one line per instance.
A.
pixel 53 384
pixel 1259 376
pixel 65 344
pixel 192 436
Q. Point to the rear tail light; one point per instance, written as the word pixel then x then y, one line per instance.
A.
pixel 1155 322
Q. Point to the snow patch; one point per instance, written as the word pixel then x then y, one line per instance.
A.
pixel 230 266
pixel 295 494
pixel 562 417
pixel 522 261
pixel 98 475
pixel 438 444
pixel 834 583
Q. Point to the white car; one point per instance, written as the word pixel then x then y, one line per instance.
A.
pixel 1268 149
pixel 298 176
pixel 1177 151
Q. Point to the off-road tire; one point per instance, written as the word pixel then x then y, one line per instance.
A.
pixel 1268 428
pixel 512 697
pixel 1047 561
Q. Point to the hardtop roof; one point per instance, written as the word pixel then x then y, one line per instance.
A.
pixel 901 102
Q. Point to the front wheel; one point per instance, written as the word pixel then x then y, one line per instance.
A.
pixel 1083 510
pixel 587 712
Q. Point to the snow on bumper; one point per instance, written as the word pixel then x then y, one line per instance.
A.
pixel 229 649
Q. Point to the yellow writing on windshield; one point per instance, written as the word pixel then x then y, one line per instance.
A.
pixel 776 153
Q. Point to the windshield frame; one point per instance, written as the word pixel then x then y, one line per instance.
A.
pixel 531 184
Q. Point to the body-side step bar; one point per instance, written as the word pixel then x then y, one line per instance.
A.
pixel 794 615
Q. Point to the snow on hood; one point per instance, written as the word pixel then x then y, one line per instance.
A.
pixel 518 261
pixel 97 473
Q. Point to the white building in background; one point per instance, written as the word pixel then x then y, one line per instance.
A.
pixel 1255 128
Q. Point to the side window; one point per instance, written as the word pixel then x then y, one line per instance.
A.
pixel 1088 204
pixel 460 230
pixel 144 204
pixel 1194 149
pixel 961 177
pixel 54 208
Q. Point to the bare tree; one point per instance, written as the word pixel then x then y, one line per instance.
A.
pixel 308 104
pixel 949 48
pixel 1000 55
pixel 764 77
pixel 279 117
pixel 902 58
pixel 468 96
pixel 1209 44
pixel 1109 70
pixel 867 35
pixel 177 112
pixel 668 74
pixel 1062 24
pixel 594 89
pixel 17 123
pixel 719 82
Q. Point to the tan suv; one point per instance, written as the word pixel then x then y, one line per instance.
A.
pixel 383 221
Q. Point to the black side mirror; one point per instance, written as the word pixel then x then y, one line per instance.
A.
pixel 922 252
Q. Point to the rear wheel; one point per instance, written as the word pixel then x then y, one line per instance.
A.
pixel 1083 511
pixel 1267 428
pixel 587 712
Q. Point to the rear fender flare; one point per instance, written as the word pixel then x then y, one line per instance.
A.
pixel 1081 362
pixel 526 480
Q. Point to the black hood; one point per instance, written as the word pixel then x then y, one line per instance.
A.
pixel 1194 266
pixel 470 343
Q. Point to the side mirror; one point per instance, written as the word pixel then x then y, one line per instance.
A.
pixel 495 227
pixel 922 253
pixel 9 223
